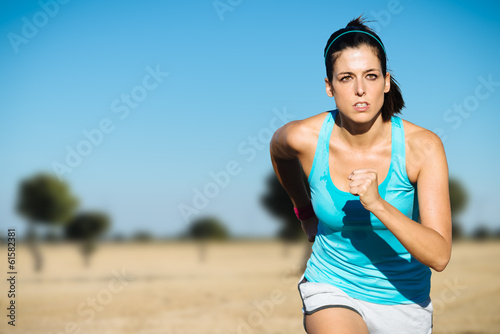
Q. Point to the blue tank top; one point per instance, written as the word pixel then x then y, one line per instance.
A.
pixel 353 250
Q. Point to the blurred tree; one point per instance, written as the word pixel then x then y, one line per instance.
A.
pixel 85 228
pixel 458 202
pixel 482 233
pixel 118 237
pixel 51 236
pixel 208 228
pixel 204 229
pixel 279 204
pixel 44 199
pixel 496 234
pixel 142 236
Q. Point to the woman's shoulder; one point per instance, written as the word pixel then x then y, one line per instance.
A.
pixel 297 137
pixel 422 146
pixel 417 136
pixel 300 134
pixel 312 123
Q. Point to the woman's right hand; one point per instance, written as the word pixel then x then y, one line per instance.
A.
pixel 310 226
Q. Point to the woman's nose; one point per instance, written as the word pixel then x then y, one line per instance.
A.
pixel 360 88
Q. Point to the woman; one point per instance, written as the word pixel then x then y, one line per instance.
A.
pixel 375 237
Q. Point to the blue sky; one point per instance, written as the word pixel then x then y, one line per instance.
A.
pixel 180 90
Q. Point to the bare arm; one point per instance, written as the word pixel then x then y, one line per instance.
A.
pixel 428 241
pixel 286 145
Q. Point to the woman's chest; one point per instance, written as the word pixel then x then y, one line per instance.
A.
pixel 342 162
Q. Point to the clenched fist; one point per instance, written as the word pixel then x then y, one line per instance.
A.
pixel 364 183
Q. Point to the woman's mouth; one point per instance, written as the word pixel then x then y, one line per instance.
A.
pixel 361 106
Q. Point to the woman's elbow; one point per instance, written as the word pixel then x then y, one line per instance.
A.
pixel 439 267
pixel 441 262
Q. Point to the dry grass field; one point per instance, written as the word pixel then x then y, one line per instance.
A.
pixel 241 287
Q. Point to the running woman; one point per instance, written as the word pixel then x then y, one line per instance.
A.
pixel 375 236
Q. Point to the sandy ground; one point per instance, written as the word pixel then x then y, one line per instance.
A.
pixel 240 287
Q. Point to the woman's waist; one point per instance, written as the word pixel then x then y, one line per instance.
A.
pixel 363 249
pixel 386 269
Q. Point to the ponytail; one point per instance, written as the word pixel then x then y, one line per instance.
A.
pixel 393 101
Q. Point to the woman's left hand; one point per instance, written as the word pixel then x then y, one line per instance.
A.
pixel 364 183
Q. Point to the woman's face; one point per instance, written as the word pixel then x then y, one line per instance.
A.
pixel 358 84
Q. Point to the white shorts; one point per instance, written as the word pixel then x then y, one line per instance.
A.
pixel 415 318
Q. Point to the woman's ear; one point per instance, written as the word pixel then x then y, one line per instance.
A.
pixel 387 87
pixel 329 88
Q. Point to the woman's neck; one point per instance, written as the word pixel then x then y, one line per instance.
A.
pixel 362 136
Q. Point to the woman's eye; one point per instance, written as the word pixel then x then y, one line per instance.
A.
pixel 346 78
pixel 372 76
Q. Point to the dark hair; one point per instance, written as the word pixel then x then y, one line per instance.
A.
pixel 393 100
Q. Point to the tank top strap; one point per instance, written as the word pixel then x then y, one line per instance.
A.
pixel 399 149
pixel 321 155
pixel 398 136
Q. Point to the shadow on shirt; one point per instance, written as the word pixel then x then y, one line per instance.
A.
pixel 382 248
